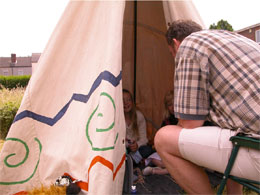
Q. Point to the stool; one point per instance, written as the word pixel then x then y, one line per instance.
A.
pixel 243 141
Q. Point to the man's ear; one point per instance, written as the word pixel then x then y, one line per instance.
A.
pixel 176 43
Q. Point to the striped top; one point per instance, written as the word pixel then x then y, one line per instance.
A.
pixel 217 77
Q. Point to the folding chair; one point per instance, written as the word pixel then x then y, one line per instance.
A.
pixel 238 141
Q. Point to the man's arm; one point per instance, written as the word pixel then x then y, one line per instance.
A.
pixel 190 124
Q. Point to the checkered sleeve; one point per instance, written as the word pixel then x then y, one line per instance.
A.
pixel 191 99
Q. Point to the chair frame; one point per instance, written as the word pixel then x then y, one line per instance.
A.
pixel 238 141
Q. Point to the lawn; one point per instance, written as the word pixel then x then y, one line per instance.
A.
pixel 10 100
pixel 1 144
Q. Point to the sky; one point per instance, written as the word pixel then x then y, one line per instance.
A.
pixel 27 25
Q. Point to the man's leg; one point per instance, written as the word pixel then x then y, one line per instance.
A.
pixel 234 187
pixel 189 176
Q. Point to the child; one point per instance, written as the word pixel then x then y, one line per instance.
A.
pixel 169 119
pixel 136 140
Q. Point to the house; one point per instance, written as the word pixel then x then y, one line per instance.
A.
pixel 251 32
pixel 18 65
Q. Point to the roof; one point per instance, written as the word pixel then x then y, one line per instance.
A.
pixel 20 61
pixel 249 27
pixel 23 61
pixel 4 61
pixel 35 57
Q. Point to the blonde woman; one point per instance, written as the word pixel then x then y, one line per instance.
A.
pixel 136 139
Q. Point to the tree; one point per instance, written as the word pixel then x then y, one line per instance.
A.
pixel 222 24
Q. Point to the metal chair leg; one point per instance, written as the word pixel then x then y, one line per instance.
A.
pixel 228 168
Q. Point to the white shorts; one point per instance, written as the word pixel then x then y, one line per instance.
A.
pixel 210 147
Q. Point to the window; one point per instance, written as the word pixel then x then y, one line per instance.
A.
pixel 257 36
pixel 20 72
pixel 5 72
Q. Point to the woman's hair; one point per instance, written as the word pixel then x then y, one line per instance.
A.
pixel 133 115
pixel 168 99
pixel 180 29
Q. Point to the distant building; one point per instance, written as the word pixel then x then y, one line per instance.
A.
pixel 18 65
pixel 251 32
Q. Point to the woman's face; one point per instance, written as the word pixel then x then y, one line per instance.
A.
pixel 128 103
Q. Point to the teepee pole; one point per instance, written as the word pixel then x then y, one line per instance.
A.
pixel 135 47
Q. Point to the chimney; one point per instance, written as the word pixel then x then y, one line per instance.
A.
pixel 13 58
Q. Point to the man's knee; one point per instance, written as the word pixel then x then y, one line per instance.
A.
pixel 166 135
pixel 159 136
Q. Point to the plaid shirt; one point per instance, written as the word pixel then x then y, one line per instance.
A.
pixel 217 77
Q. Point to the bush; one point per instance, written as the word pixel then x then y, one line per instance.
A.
pixel 10 100
pixel 11 82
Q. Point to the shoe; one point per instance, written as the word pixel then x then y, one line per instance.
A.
pixel 153 170
pixel 148 171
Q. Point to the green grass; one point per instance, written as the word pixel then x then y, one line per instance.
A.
pixel 10 100
pixel 11 95
pixel 1 144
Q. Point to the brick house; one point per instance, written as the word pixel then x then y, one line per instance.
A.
pixel 251 32
pixel 18 65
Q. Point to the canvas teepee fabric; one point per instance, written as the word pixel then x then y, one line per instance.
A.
pixel 154 63
pixel 71 117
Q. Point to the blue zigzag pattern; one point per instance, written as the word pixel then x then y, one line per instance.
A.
pixel 105 75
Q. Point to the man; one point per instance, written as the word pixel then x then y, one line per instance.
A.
pixel 217 78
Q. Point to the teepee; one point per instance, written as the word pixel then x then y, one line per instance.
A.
pixel 71 118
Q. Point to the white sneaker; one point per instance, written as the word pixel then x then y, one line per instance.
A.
pixel 148 171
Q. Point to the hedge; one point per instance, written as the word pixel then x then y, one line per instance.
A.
pixel 11 82
pixel 7 114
